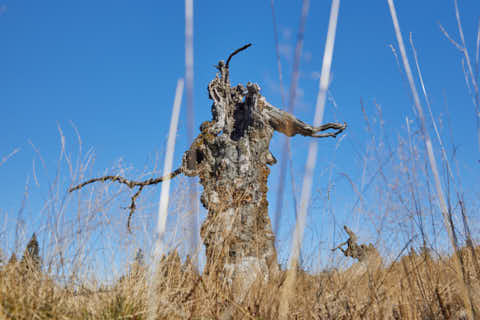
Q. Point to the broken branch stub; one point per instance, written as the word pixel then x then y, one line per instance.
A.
pixel 361 252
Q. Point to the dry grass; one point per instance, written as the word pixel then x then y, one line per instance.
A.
pixel 418 286
pixel 396 198
pixel 70 285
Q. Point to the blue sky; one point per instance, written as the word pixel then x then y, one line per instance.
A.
pixel 111 67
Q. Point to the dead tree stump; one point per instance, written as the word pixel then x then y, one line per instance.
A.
pixel 231 157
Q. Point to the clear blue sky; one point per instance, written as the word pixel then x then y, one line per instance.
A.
pixel 111 67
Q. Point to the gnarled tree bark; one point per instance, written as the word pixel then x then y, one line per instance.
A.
pixel 231 157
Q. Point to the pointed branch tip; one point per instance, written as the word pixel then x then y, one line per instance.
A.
pixel 235 52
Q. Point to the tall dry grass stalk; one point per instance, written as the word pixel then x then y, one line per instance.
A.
pixel 397 291
pixel 159 249
pixel 431 158
pixel 277 52
pixel 285 155
pixel 470 74
pixel 88 270
pixel 289 287
pixel 193 217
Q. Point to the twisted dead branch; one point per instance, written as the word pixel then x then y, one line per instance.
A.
pixel 131 184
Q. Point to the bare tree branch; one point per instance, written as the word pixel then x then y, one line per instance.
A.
pixel 237 51
pixel 287 124
pixel 131 184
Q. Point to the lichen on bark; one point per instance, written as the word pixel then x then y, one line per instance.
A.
pixel 231 156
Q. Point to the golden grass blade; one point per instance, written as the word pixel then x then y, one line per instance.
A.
pixel 159 249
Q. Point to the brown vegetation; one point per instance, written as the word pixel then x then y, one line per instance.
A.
pixel 422 284
pixel 417 286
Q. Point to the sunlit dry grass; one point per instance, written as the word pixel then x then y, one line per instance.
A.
pixel 89 271
pixel 418 286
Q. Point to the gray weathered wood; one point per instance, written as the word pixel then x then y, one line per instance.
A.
pixel 231 157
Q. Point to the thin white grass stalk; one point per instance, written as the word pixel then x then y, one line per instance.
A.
pixel 292 180
pixel 477 62
pixel 431 156
pixel 298 55
pixel 280 188
pixel 464 47
pixel 312 150
pixel 429 107
pixel 8 156
pixel 467 82
pixel 20 225
pixel 291 106
pixel 193 217
pixel 58 213
pixel 277 51
pixel 189 51
pixel 470 71
pixel 159 248
pixel 310 165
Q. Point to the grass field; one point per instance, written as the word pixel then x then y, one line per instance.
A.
pixel 417 286
pixel 82 262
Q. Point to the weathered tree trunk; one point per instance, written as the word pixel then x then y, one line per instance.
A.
pixel 231 157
